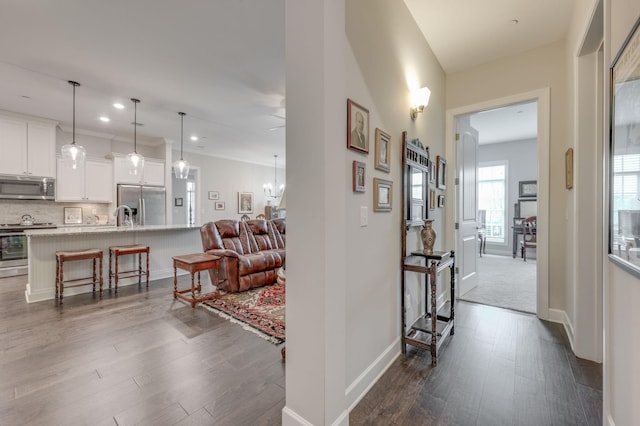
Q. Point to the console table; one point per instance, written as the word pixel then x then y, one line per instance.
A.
pixel 430 330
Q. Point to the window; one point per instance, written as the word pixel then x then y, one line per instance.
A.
pixel 492 189
pixel 626 183
pixel 191 202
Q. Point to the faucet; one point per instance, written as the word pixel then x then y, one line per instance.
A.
pixel 126 220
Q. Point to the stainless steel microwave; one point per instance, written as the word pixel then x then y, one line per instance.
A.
pixel 27 187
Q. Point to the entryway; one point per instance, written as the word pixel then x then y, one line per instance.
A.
pixel 500 181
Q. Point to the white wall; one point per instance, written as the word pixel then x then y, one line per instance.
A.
pixel 522 159
pixel 622 290
pixel 343 319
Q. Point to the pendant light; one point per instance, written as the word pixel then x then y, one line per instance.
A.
pixel 71 153
pixel 136 161
pixel 181 167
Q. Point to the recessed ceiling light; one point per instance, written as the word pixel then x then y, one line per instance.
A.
pixel 105 119
pixel 194 138
pixel 118 105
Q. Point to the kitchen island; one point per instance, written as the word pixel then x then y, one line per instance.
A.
pixel 165 241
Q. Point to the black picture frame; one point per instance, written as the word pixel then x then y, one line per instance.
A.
pixel 178 202
pixel 624 144
pixel 528 189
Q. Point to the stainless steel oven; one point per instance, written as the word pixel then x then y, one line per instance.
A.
pixel 13 248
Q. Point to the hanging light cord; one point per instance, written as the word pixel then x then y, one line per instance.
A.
pixel 74 113
pixel 135 124
pixel 182 114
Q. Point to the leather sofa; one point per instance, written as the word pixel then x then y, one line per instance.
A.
pixel 251 251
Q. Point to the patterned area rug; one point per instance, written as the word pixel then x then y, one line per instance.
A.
pixel 260 310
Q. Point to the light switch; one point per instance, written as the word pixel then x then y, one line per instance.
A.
pixel 364 216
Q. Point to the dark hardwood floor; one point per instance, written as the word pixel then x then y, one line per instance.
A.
pixel 143 358
pixel 138 358
pixel 502 367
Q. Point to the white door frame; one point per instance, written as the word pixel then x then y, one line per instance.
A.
pixel 542 96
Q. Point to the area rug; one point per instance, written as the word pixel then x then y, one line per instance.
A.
pixel 260 310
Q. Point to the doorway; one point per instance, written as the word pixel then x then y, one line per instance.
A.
pixel 185 199
pixel 506 188
pixel 501 221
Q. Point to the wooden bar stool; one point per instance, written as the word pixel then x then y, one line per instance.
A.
pixel 118 251
pixel 64 256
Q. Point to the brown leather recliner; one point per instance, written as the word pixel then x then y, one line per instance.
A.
pixel 252 251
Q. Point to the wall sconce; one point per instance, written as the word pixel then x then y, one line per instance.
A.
pixel 419 100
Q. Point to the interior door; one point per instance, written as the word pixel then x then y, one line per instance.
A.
pixel 467 154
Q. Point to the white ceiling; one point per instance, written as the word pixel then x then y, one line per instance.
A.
pixel 221 62
pixel 506 124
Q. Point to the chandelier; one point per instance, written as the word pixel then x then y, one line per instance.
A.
pixel 273 191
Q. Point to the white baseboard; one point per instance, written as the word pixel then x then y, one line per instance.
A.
pixel 361 385
pixel 560 316
pixel 291 418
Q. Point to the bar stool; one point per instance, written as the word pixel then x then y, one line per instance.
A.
pixel 118 251
pixel 64 256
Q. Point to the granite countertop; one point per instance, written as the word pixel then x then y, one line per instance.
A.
pixel 101 229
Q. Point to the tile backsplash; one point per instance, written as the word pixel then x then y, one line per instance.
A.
pixel 11 211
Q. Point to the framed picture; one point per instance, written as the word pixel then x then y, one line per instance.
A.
pixel 528 188
pixel 382 195
pixel 527 207
pixel 432 171
pixel 440 201
pixel 568 166
pixel 219 205
pixel 441 172
pixel 214 195
pixel 624 207
pixel 359 176
pixel 383 151
pixel 357 127
pixel 245 202
pixel 72 215
pixel 432 199
pixel 178 202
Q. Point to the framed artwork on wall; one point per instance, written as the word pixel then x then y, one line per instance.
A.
pixel 382 195
pixel 219 205
pixel 441 172
pixel 178 202
pixel 568 164
pixel 214 195
pixel 383 151
pixel 357 127
pixel 72 215
pixel 528 189
pixel 245 202
pixel 358 177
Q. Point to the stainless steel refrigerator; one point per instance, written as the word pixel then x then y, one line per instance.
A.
pixel 147 204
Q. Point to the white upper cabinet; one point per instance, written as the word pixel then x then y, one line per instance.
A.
pixel 28 147
pixel 153 173
pixel 92 182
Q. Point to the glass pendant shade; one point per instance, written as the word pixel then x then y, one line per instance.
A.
pixel 181 167
pixel 72 153
pixel 136 161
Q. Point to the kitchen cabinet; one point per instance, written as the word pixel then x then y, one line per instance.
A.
pixel 28 147
pixel 92 182
pixel 153 173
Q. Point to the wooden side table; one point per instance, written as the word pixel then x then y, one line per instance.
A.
pixel 436 327
pixel 193 263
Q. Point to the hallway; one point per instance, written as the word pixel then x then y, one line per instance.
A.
pixel 501 368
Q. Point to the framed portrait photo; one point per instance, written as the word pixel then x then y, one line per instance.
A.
pixel 72 215
pixel 214 195
pixel 359 169
pixel 441 172
pixel 219 205
pixel 440 201
pixel 568 166
pixel 245 202
pixel 382 195
pixel 357 127
pixel 383 151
